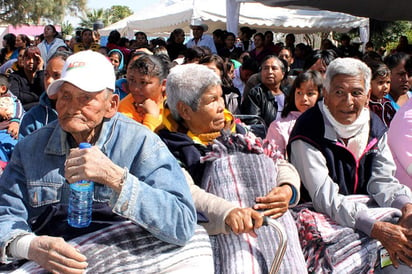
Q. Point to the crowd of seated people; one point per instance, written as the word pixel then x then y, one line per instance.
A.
pixel 334 163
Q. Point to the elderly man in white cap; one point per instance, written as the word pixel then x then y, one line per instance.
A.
pixel 200 40
pixel 140 191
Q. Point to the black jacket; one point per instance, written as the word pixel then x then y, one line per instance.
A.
pixel 261 102
pixel 28 93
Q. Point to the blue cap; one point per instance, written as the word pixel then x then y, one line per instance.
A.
pixel 85 145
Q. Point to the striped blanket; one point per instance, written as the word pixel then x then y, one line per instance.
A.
pixel 126 248
pixel 331 248
pixel 239 169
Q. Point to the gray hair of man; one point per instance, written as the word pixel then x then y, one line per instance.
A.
pixel 187 83
pixel 350 67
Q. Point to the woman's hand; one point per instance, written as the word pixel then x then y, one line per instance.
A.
pixel 40 62
pixel 276 202
pixel 396 239
pixel 244 220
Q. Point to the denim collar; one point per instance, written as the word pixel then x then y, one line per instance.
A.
pixel 58 142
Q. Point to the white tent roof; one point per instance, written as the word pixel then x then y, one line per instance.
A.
pixel 163 18
pixel 378 9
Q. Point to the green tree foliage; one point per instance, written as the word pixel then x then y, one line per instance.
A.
pixel 18 12
pixel 67 28
pixel 91 17
pixel 117 13
pixel 386 34
pixel 107 16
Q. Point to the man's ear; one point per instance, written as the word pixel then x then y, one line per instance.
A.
pixel 112 105
pixel 184 110
pixel 369 96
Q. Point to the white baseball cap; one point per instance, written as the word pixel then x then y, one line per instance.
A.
pixel 88 70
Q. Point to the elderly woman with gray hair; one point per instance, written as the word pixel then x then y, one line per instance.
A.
pixel 226 161
pixel 340 150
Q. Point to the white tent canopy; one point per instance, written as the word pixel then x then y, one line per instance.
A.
pixel 163 18
pixel 378 9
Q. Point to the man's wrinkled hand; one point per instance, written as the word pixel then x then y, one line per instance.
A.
pixel 56 255
pixel 396 240
pixel 92 164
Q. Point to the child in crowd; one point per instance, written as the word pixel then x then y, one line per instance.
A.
pixel 11 111
pixel 45 112
pixel 146 80
pixel 380 86
pixel 117 59
pixel 306 91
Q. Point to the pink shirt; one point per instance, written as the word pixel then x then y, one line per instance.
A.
pixel 280 129
pixel 400 142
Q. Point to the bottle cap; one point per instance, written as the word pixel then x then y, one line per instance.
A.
pixel 85 145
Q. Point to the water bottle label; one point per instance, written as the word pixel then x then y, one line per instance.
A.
pixel 82 186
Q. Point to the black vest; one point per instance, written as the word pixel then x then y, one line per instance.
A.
pixel 352 177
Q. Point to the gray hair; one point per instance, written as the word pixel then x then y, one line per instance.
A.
pixel 350 67
pixel 187 83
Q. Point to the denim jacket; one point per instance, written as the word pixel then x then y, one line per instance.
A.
pixel 155 194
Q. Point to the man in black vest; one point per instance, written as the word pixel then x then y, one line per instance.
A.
pixel 340 149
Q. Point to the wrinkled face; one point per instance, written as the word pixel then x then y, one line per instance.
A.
pixel 80 112
pixel 380 86
pixel 346 98
pixel 209 116
pixel 144 87
pixel 53 71
pixel 399 80
pixel 286 55
pixel 197 32
pixel 230 41
pixel 306 96
pixel 271 73
pixel 87 37
pixel 115 60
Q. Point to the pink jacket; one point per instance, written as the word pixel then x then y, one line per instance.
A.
pixel 400 142
pixel 279 130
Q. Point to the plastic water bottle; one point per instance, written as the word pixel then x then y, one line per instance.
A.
pixel 80 201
